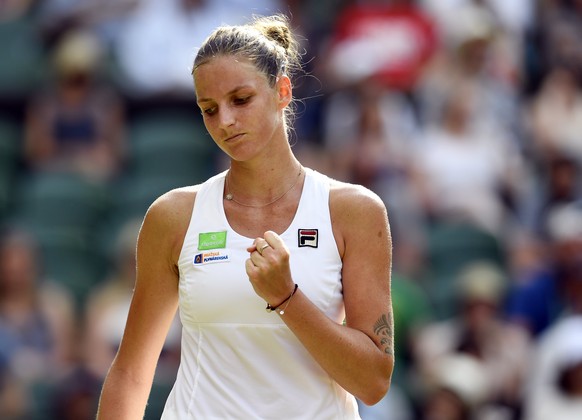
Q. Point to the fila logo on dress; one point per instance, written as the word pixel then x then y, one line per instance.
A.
pixel 307 237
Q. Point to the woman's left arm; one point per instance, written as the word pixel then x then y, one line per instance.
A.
pixel 359 355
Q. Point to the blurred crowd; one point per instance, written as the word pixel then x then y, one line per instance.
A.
pixel 464 116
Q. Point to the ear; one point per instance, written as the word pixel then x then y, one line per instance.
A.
pixel 284 91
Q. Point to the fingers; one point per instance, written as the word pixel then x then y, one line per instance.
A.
pixel 268 266
pixel 274 240
pixel 257 259
pixel 271 239
pixel 250 267
pixel 271 247
pixel 262 248
pixel 256 266
pixel 257 243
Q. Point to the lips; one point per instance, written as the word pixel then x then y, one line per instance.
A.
pixel 234 137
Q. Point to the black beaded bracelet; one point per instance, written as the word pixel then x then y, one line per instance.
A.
pixel 271 308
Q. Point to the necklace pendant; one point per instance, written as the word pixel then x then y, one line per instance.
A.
pixel 228 197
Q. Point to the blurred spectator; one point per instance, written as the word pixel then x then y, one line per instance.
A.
pixel 77 124
pixel 11 9
pixel 102 17
pixel 554 117
pixel 559 35
pixel 463 171
pixel 470 57
pixel 539 299
pixel 156 46
pixel 107 308
pixel 526 254
pixel 480 331
pixel 74 397
pixel 515 16
pixel 457 390
pixel 370 132
pixel 107 304
pixel 558 184
pixel 458 19
pixel 555 385
pixel 105 315
pixel 36 322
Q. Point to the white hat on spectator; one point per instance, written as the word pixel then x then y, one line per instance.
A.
pixel 465 376
pixel 564 223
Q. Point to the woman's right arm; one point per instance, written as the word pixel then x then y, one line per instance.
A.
pixel 155 300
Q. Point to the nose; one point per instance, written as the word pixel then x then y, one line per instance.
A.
pixel 226 117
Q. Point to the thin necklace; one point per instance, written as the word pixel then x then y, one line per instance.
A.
pixel 230 197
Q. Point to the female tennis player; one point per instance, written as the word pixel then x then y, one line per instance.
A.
pixel 281 275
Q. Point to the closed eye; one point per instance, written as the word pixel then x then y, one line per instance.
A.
pixel 209 111
pixel 241 100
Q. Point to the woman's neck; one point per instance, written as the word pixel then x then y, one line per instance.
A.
pixel 258 185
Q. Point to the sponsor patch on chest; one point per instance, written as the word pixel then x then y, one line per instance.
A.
pixel 211 240
pixel 211 257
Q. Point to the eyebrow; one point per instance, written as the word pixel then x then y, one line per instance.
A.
pixel 236 89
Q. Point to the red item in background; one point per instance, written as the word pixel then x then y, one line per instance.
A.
pixel 388 43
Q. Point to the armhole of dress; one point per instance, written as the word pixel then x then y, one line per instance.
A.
pixel 205 187
pixel 327 181
pixel 323 186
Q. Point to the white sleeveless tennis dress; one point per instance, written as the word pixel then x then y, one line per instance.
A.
pixel 239 361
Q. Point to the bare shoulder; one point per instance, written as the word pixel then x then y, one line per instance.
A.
pixel 349 200
pixel 168 217
pixel 173 205
pixel 356 211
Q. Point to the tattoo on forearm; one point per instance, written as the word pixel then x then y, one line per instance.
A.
pixel 384 329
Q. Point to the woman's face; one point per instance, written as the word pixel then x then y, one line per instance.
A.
pixel 241 111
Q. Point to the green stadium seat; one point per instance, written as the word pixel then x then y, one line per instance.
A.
pixel 451 246
pixel 65 212
pixel 10 141
pixel 171 144
pixel 60 204
pixel 23 57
